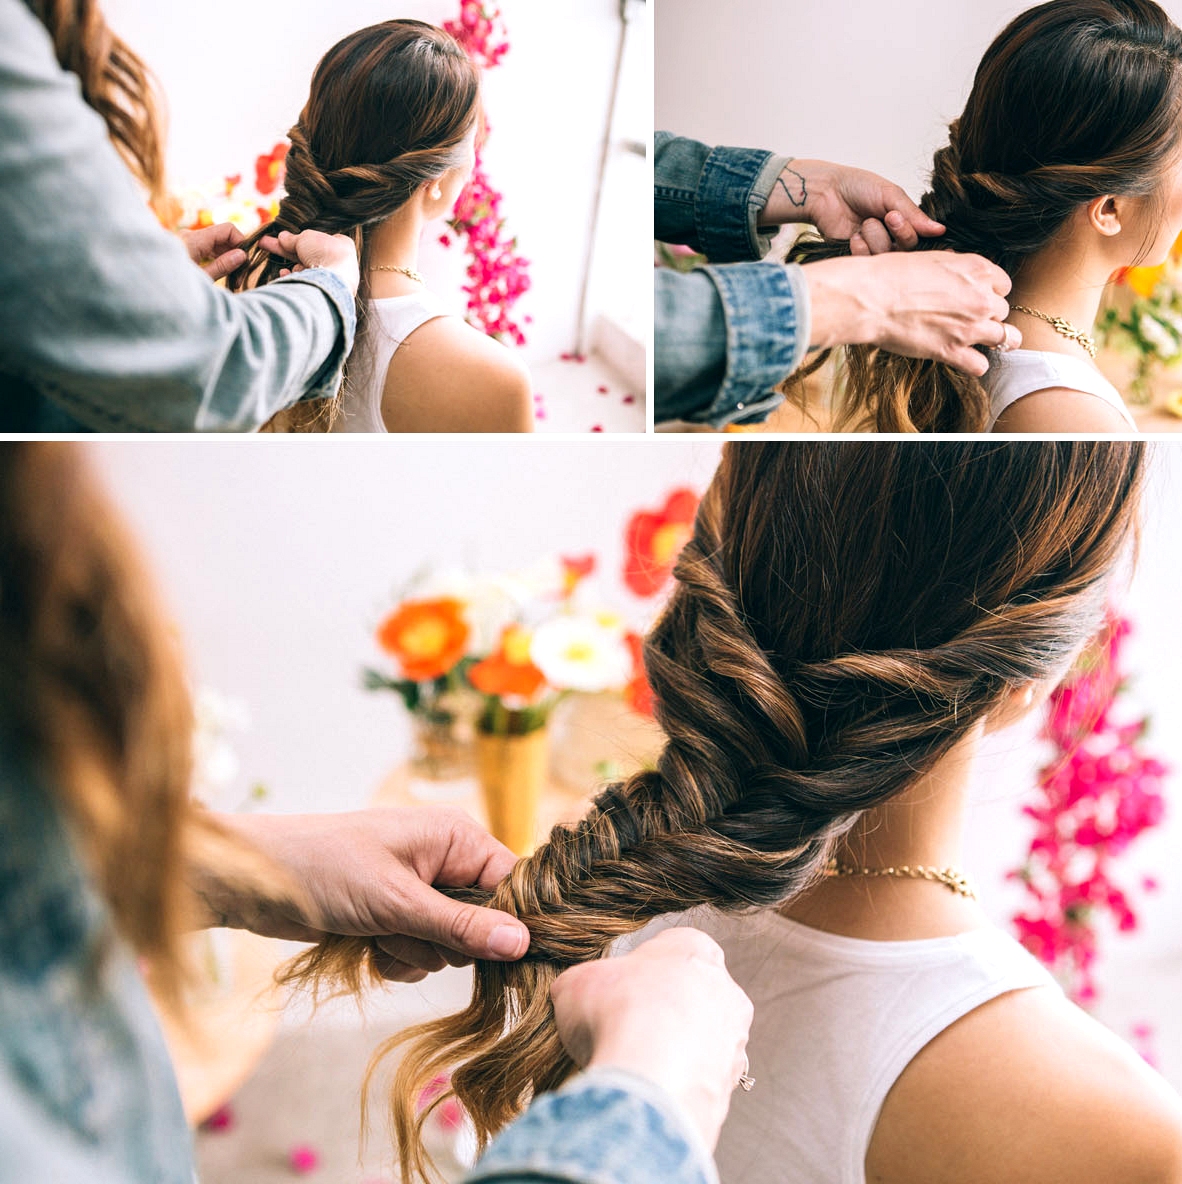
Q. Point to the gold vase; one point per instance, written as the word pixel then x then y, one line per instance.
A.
pixel 512 774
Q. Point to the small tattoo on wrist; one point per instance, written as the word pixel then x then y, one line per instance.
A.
pixel 795 199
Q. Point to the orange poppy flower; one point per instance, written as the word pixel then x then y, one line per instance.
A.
pixel 653 539
pixel 638 694
pixel 268 169
pixel 427 637
pixel 575 569
pixel 1143 280
pixel 509 671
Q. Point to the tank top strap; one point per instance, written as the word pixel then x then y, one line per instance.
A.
pixel 387 323
pixel 1016 373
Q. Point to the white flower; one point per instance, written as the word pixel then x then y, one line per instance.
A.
pixel 578 653
pixel 1157 336
pixel 215 762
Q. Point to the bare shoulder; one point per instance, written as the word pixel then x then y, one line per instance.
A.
pixel 1028 1087
pixel 449 377
pixel 1059 409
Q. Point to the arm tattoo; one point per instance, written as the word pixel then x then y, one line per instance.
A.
pixel 795 199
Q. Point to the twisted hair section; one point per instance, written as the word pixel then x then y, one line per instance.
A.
pixel 1074 100
pixel 114 81
pixel 842 616
pixel 389 110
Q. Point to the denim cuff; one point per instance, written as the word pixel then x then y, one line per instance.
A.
pixel 761 191
pixel 767 334
pixel 605 1127
pixel 328 381
pixel 728 204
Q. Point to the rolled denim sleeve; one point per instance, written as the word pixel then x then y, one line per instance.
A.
pixel 605 1127
pixel 710 199
pixel 102 312
pixel 726 334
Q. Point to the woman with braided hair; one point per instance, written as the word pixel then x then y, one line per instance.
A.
pixel 847 621
pixel 1065 166
pixel 383 146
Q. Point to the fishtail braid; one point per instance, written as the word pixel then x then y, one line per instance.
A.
pixel 779 735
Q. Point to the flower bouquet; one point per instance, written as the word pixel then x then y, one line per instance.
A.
pixel 1142 321
pixel 482 664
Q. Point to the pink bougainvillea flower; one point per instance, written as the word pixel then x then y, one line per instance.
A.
pixel 1097 794
pixel 303 1159
pixel 222 1119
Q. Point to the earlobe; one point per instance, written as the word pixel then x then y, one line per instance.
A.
pixel 1104 215
pixel 1012 708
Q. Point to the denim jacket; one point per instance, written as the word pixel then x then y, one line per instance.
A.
pixel 728 332
pixel 105 323
pixel 604 1127
pixel 87 1092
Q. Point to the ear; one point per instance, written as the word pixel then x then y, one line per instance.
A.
pixel 1104 215
pixel 1019 702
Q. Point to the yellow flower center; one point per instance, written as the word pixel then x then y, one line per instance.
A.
pixel 579 651
pixel 668 540
pixel 425 638
pixel 516 646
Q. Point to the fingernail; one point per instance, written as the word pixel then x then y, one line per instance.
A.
pixel 507 941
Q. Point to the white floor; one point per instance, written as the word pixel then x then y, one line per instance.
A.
pixel 585 396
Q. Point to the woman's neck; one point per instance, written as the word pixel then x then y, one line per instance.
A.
pixel 923 826
pixel 394 243
pixel 1065 281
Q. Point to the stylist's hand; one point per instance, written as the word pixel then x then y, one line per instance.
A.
pixel 215 248
pixel 667 1011
pixel 931 304
pixel 370 874
pixel 874 214
pixel 314 248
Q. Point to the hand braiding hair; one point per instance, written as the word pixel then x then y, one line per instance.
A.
pixel 1075 99
pixel 802 675
pixel 390 110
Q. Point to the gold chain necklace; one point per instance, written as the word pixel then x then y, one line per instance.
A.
pixel 1063 327
pixel 407 271
pixel 952 879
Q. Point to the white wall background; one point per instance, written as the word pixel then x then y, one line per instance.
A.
pixel 236 74
pixel 854 81
pixel 279 558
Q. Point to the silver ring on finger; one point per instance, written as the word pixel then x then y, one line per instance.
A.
pixel 746 1082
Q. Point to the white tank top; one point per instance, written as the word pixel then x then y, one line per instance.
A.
pixel 388 323
pixel 837 1020
pixel 1019 372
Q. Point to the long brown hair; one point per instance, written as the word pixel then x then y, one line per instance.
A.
pixel 389 109
pixel 1075 99
pixel 115 82
pixel 93 695
pixel 843 615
